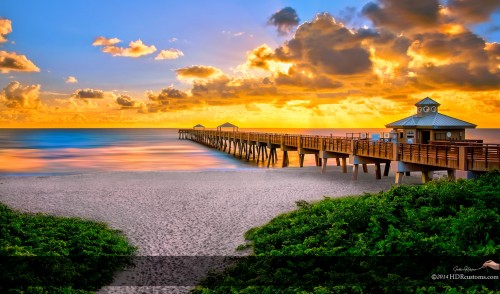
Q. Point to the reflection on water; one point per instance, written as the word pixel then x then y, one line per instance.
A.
pixel 52 151
pixel 77 150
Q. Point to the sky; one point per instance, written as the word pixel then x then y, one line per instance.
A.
pixel 262 63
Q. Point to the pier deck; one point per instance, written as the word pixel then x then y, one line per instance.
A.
pixel 458 159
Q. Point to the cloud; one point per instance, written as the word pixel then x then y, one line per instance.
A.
pixel 403 15
pixel 71 80
pixel 102 41
pixel 10 61
pixel 165 94
pixel 284 20
pixel 473 11
pixel 198 72
pixel 325 62
pixel 128 102
pixel 169 54
pixel 135 48
pixel 14 95
pixel 92 94
pixel 168 99
pixel 327 47
pixel 231 34
pixel 414 49
pixel 5 29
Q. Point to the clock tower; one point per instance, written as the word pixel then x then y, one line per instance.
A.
pixel 426 107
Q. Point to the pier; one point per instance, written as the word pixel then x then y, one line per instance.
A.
pixel 425 142
pixel 459 159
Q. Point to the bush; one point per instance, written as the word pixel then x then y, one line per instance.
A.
pixel 387 242
pixel 47 254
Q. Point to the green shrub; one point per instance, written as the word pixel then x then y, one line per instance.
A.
pixel 387 242
pixel 48 254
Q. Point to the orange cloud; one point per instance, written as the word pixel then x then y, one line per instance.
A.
pixel 169 54
pixel 326 62
pixel 14 95
pixel 71 80
pixel 10 61
pixel 127 102
pixel 135 48
pixel 198 72
pixel 169 99
pixel 102 41
pixel 92 94
pixel 5 29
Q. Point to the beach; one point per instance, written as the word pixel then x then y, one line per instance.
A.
pixel 184 213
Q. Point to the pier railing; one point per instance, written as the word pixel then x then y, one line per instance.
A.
pixel 375 149
pixel 291 140
pixel 275 139
pixel 483 158
pixel 446 156
pixel 310 142
pixel 471 156
pixel 339 145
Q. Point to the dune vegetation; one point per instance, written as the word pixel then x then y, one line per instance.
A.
pixel 407 239
pixel 47 254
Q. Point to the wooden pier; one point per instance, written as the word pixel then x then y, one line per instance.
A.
pixel 459 159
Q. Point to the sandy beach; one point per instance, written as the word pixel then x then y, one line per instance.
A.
pixel 184 213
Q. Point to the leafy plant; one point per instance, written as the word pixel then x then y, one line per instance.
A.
pixel 48 254
pixel 390 242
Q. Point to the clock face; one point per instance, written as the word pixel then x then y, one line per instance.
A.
pixel 433 108
pixel 426 109
pixel 419 110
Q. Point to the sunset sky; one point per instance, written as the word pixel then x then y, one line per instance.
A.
pixel 263 63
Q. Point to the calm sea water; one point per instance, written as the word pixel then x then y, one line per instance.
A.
pixel 63 151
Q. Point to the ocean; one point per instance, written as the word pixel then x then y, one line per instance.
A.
pixel 71 151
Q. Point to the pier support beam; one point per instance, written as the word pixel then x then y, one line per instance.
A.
pixel 405 168
pixel 399 178
pixel 272 156
pixel 304 151
pixel 426 176
pixel 387 168
pixel 325 155
pixel 451 174
pixel 285 159
pixel 364 161
pixel 378 174
pixel 355 168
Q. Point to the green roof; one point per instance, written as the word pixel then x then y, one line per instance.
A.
pixel 432 121
pixel 227 125
pixel 427 102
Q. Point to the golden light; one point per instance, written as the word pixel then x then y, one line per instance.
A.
pixel 383 68
pixel 454 29
pixel 420 60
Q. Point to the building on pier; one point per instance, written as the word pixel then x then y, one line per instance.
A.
pixel 227 126
pixel 198 127
pixel 428 125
